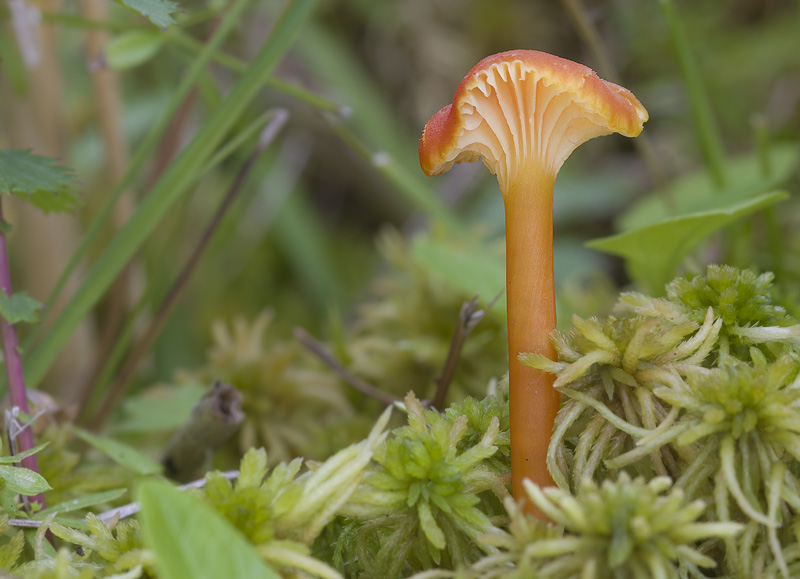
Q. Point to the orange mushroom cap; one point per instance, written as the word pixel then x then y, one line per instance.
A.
pixel 521 107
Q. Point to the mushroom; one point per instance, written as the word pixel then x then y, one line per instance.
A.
pixel 523 112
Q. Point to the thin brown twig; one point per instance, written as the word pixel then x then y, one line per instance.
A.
pixel 318 349
pixel 144 344
pixel 468 318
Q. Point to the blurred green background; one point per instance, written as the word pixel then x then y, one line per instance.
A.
pixel 300 239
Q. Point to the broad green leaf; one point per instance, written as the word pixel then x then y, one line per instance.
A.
pixel 19 307
pixel 159 12
pixel 697 192
pixel 133 48
pixel 120 453
pixel 22 480
pixel 654 252
pixel 38 180
pixel 159 408
pixel 467 268
pixel 190 539
pixel 83 502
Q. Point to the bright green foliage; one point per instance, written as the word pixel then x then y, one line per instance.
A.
pixel 742 300
pixel 624 528
pixel 72 478
pixel 13 542
pixel 655 251
pixel 19 307
pixel 418 507
pixel 104 551
pixel 159 12
pixel 120 547
pixel 716 406
pixel 37 179
pixel 16 480
pixel 121 453
pixel 480 414
pixel 627 529
pixel 605 368
pixel 291 407
pixel 176 528
pixel 283 513
pixel 400 338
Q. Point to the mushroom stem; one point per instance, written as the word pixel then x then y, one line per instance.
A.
pixel 533 402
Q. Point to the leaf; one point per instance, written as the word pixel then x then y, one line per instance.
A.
pixel 19 307
pixel 133 48
pixel 654 252
pixel 83 502
pixel 697 192
pixel 38 180
pixel 120 453
pixel 22 480
pixel 159 408
pixel 467 268
pixel 156 11
pixel 190 539
pixel 19 456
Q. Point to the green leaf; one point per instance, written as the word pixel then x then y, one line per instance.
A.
pixel 465 267
pixel 83 502
pixel 18 457
pixel 190 539
pixel 654 252
pixel 19 307
pixel 22 480
pixel 120 453
pixel 133 48
pixel 697 191
pixel 159 408
pixel 159 12
pixel 38 180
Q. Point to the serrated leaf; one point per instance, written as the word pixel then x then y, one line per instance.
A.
pixel 83 502
pixel 133 48
pixel 654 252
pixel 38 180
pixel 22 480
pixel 120 453
pixel 186 534
pixel 19 307
pixel 156 11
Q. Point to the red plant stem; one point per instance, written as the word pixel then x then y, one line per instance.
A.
pixel 533 402
pixel 13 363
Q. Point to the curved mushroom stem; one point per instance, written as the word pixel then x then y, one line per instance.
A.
pixel 533 402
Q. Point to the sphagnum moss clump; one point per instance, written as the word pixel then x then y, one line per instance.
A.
pixel 418 507
pixel 740 299
pixel 700 386
pixel 606 369
pixel 290 406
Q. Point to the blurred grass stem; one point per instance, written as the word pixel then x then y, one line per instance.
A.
pixel 176 181
pixel 145 151
pixel 120 384
pixel 605 66
pixel 708 135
